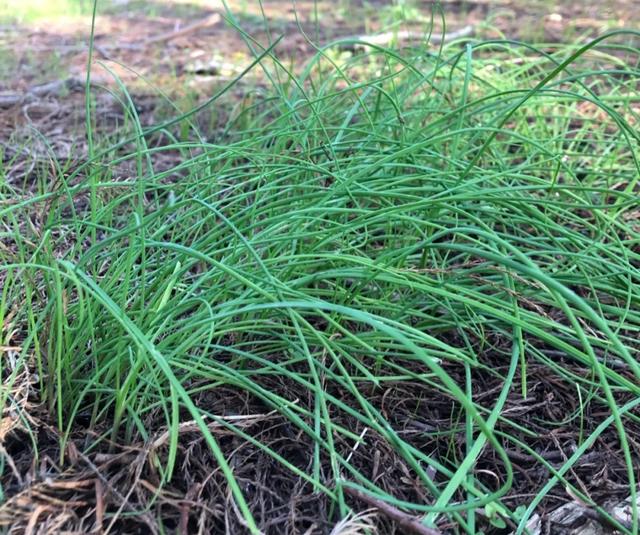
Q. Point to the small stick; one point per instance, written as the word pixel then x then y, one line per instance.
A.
pixel 409 523
pixel 7 100
pixel 208 21
pixel 211 20
pixel 384 39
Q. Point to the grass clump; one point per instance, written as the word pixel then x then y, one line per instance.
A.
pixel 376 283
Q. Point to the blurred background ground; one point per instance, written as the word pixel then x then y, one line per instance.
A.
pixel 41 40
pixel 187 50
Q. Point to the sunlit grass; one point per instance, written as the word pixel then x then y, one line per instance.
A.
pixel 34 10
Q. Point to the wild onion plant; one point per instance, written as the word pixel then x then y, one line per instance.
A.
pixel 422 219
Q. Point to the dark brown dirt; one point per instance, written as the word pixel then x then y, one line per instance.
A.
pixel 109 485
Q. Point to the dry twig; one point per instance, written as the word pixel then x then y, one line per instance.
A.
pixel 409 523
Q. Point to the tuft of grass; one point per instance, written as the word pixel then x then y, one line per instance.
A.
pixel 455 214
